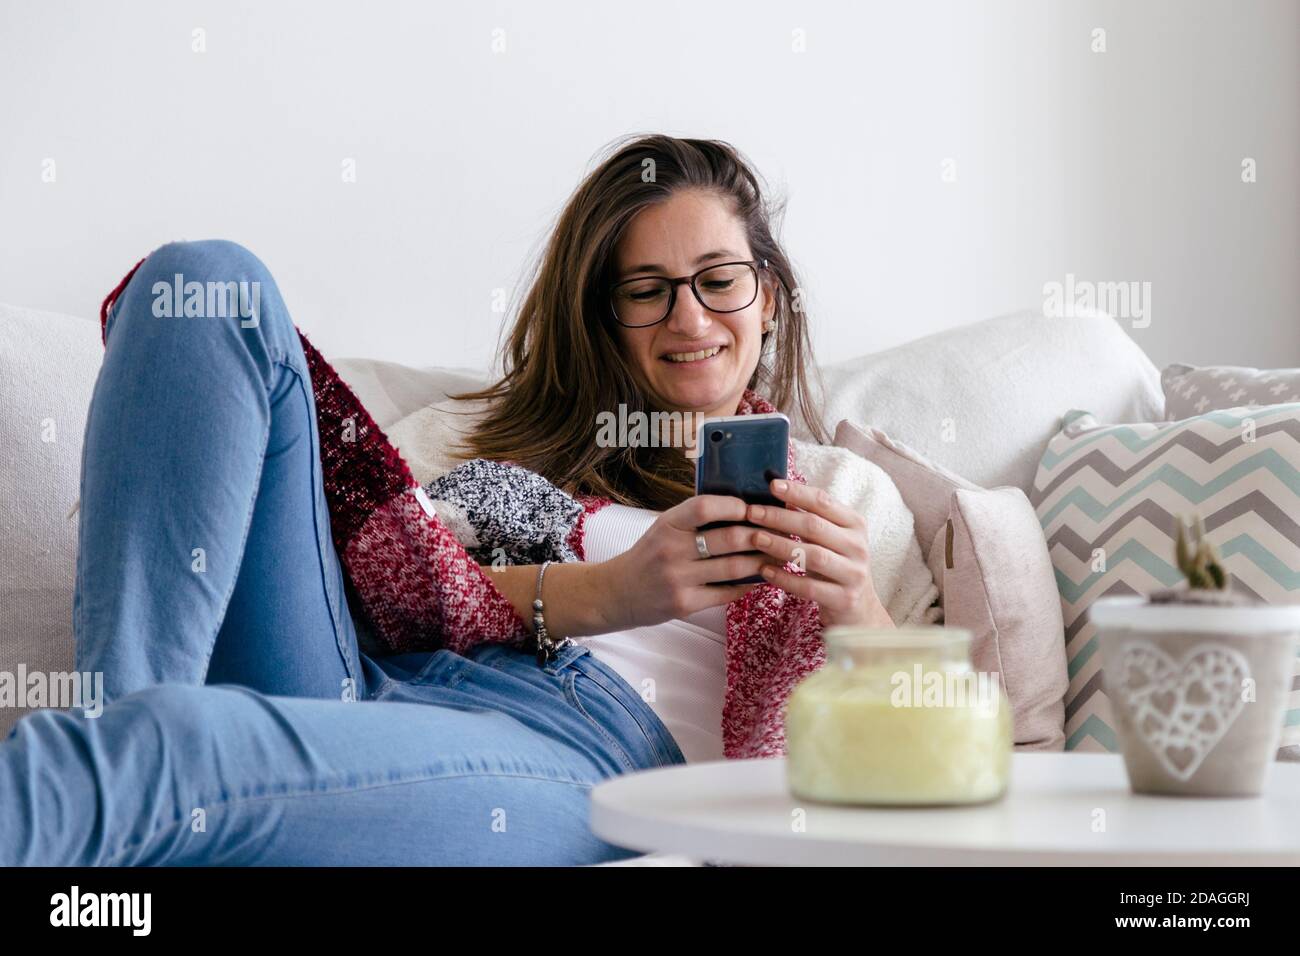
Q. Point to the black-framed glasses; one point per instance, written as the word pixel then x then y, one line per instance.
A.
pixel 648 300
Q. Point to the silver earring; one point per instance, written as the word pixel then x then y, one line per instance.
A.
pixel 769 325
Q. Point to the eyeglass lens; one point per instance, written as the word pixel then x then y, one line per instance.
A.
pixel 726 288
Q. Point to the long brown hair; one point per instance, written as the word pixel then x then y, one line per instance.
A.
pixel 561 361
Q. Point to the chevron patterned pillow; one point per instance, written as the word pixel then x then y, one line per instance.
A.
pixel 1107 497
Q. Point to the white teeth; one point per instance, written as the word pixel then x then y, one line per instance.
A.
pixel 694 356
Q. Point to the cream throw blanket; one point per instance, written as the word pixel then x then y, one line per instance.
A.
pixel 427 439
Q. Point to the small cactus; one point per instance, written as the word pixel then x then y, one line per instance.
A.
pixel 1198 560
pixel 1207 582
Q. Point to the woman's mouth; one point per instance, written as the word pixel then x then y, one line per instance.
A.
pixel 693 358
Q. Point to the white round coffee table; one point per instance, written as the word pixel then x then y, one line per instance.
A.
pixel 1062 809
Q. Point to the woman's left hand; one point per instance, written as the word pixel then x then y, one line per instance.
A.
pixel 832 551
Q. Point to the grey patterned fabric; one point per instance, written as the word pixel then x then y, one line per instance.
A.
pixel 1191 391
pixel 515 515
pixel 1107 497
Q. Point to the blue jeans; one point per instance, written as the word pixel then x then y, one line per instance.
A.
pixel 244 724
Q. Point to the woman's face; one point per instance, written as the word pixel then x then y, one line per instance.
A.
pixel 679 237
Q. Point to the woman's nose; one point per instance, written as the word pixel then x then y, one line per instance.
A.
pixel 688 317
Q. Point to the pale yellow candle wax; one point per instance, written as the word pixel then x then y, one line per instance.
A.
pixel 871 735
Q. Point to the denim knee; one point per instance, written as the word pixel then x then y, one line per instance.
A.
pixel 211 279
pixel 207 259
pixel 182 713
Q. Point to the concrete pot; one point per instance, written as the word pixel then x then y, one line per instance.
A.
pixel 1198 692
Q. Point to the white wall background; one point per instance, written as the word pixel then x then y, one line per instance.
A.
pixel 1115 166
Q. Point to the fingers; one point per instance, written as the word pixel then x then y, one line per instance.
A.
pixel 811 558
pixel 729 568
pixel 838 602
pixel 811 528
pixel 832 550
pixel 730 540
pixel 817 501
pixel 704 509
pixel 815 527
pixel 829 595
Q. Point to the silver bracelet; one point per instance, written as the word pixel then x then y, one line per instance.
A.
pixel 546 648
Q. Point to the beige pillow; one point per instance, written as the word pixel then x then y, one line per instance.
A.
pixel 989 558
pixel 429 437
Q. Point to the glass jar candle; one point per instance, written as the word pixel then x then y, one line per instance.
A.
pixel 898 717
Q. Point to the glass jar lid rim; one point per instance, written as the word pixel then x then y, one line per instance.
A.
pixel 906 638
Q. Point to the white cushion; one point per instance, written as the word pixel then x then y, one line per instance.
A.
pixel 984 399
pixel 48 364
pixel 391 391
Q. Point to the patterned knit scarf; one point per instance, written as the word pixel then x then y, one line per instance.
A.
pixel 420 587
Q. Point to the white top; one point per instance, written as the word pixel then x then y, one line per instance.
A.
pixel 739 811
pixel 678 667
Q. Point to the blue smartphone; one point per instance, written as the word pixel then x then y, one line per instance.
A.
pixel 740 455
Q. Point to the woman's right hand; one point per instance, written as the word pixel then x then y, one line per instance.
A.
pixel 663 577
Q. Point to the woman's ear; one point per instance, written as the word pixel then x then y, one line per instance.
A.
pixel 769 298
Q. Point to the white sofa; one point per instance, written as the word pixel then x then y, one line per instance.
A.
pixel 981 400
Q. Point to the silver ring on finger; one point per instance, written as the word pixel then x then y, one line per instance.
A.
pixel 702 547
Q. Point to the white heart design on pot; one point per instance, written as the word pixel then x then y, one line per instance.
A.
pixel 1181 712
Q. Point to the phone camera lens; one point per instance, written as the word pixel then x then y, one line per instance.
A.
pixel 715 437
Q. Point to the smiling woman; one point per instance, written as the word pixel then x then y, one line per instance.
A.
pixel 213 676
pixel 607 323
pixel 664 295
